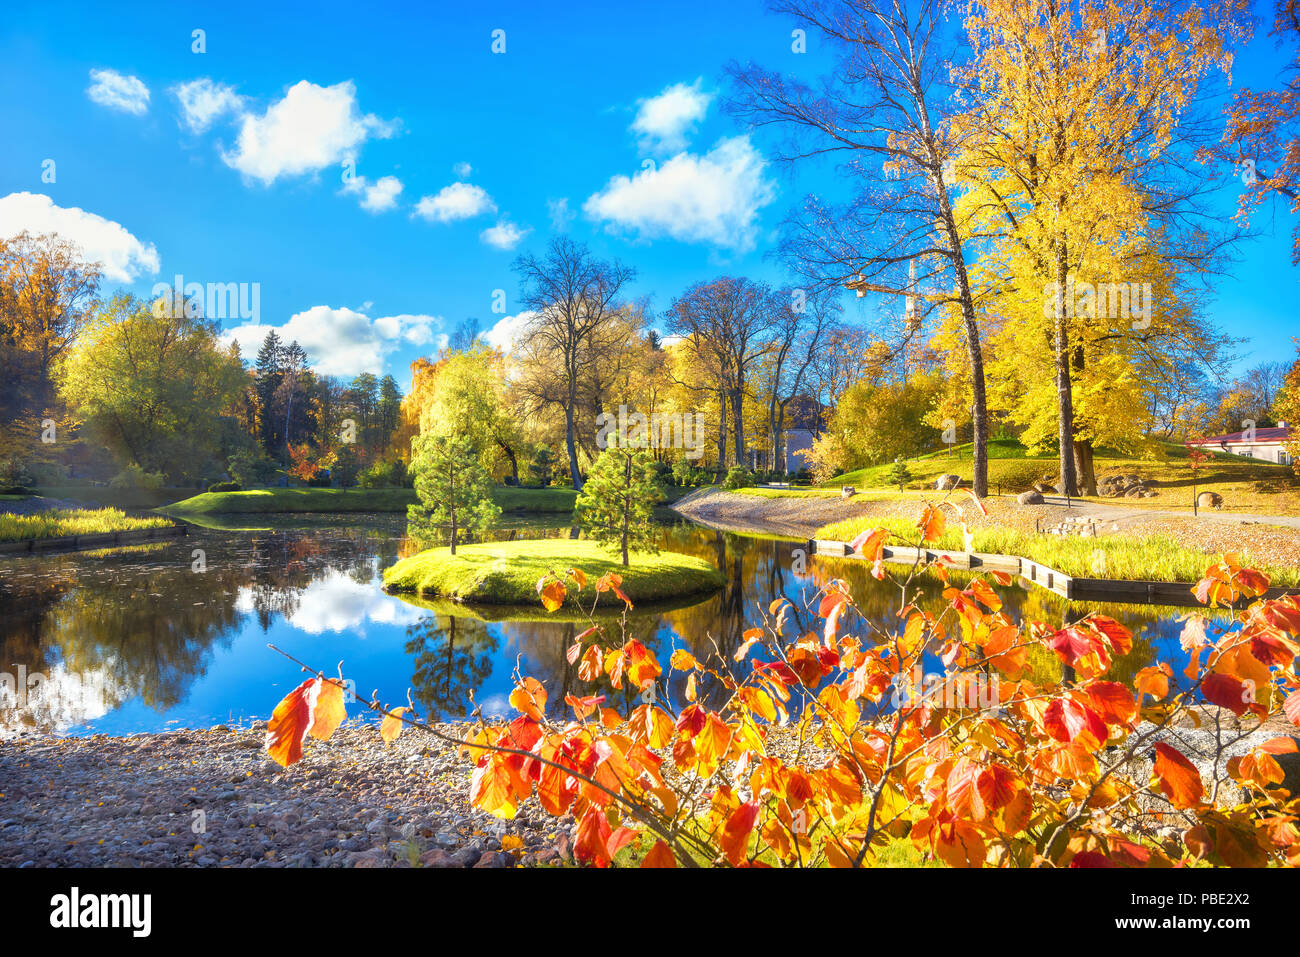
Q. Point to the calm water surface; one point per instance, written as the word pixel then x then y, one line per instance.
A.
pixel 137 640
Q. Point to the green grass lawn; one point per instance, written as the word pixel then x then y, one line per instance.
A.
pixel 1154 558
pixel 116 497
pixel 56 523
pixel 506 573
pixel 355 500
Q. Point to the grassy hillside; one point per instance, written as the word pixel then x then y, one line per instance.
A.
pixel 1247 485
pixel 353 500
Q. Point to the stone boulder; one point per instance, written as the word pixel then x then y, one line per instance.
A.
pixel 1032 497
pixel 1209 500
pixel 847 491
pixel 1044 488
pixel 945 482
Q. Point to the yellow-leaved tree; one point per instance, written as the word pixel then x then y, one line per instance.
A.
pixel 1076 176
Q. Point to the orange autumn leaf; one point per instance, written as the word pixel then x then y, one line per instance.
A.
pixel 330 710
pixel 1154 681
pixel 932 523
pixel 552 593
pixel 735 833
pixel 391 726
pixel 1291 708
pixel 290 722
pixel 1180 781
pixel 1113 701
pixel 529 697
pixel 660 856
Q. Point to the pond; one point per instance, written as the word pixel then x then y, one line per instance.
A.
pixel 152 638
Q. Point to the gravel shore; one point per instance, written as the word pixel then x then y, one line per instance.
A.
pixel 214 799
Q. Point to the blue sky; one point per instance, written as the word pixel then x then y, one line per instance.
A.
pixel 232 169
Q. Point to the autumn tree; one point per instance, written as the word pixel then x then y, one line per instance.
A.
pixel 799 333
pixel 48 295
pixel 885 112
pixel 1075 165
pixel 1287 408
pixel 454 490
pixel 732 320
pixel 468 399
pixel 617 502
pixel 157 387
pixel 574 298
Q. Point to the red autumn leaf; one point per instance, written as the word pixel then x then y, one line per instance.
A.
pixel 618 840
pixel 582 707
pixel 1113 701
pixel 1117 636
pixel 1068 722
pixel 1091 859
pixel 592 843
pixel 964 795
pixel 1179 779
pixel 1226 691
pixel 290 722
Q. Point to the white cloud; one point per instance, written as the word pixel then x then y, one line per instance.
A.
pixel 203 102
pixel 311 128
pixel 336 602
pixel 714 198
pixel 508 330
pixel 344 342
pixel 462 170
pixel 504 235
pixel 118 92
pixel 561 215
pixel 122 257
pixel 457 201
pixel 377 196
pixel 663 122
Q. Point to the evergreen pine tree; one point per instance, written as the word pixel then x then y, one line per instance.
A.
pixel 618 499
pixel 454 489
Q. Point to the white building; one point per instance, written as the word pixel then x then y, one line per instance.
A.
pixel 1267 445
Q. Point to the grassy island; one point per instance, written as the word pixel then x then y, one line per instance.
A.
pixel 506 573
